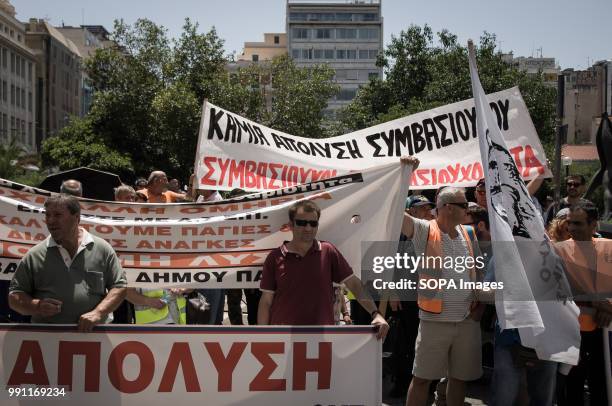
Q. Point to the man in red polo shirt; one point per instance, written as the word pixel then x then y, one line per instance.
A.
pixel 297 277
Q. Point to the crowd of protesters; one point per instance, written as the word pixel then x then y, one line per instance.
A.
pixel 436 341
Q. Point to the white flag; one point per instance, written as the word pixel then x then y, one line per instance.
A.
pixel 548 325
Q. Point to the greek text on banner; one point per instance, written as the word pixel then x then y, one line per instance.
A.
pixel 234 152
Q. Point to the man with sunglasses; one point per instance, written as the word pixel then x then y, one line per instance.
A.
pixel 575 186
pixel 448 342
pixel 297 278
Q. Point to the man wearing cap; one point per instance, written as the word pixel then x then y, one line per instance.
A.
pixel 420 207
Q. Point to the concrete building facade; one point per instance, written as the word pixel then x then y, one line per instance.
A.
pixel 274 44
pixel 588 94
pixel 347 35
pixel 17 82
pixel 534 65
pixel 58 87
pixel 87 39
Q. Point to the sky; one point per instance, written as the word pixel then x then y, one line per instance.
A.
pixel 576 33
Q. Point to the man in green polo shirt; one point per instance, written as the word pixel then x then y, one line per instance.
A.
pixel 72 276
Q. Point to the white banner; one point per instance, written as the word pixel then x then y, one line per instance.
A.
pixel 234 152
pixel 221 244
pixel 190 365
pixel 548 325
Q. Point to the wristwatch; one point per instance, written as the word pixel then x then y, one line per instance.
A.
pixel 374 313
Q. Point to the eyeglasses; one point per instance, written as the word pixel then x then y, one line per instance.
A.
pixel 573 184
pixel 303 223
pixel 463 205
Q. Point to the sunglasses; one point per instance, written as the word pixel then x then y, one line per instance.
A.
pixel 573 184
pixel 303 223
pixel 462 205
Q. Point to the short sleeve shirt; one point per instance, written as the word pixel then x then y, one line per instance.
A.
pixel 302 286
pixel 456 302
pixel 80 285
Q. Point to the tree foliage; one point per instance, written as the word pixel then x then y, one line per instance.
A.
pixel 149 90
pixel 422 74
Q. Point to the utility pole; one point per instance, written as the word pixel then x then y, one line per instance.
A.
pixel 561 130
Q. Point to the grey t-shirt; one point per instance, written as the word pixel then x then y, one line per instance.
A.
pixel 456 302
pixel 42 273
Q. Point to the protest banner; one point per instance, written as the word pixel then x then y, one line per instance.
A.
pixel 545 323
pixel 219 244
pixel 234 152
pixel 190 365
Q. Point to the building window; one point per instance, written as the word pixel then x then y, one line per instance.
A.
pixel 30 102
pixel 368 33
pixel 4 91
pixel 297 16
pixel 12 95
pixel 344 16
pixel 306 53
pixel 31 134
pixel 4 58
pixel 12 62
pixel 352 74
pixel 23 72
pixel 5 127
pixel 347 94
pixel 346 33
pixel 323 33
pixel 276 39
pixel 300 33
pixel 295 53
pixel 351 54
pixel 255 58
pixel 30 71
pixel 23 99
pixel 324 54
pixel 373 75
pixel 368 54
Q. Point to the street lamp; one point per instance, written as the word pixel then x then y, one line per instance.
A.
pixel 566 161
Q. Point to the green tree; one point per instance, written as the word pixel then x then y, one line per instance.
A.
pixel 421 75
pixel 77 145
pixel 9 154
pixel 300 96
pixel 148 96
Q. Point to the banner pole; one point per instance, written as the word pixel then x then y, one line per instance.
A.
pixel 197 154
pixel 558 137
